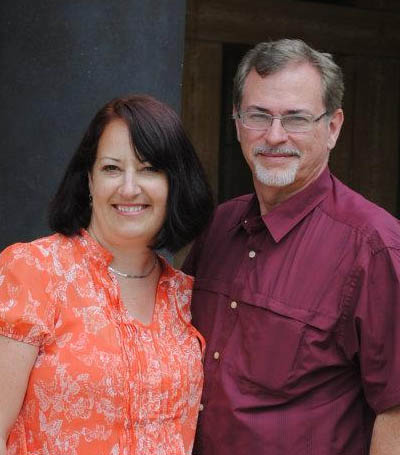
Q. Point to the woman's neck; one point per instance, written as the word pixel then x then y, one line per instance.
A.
pixel 133 258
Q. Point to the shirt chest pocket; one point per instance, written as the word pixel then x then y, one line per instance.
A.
pixel 273 346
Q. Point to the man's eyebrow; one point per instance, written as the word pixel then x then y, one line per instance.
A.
pixel 297 111
pixel 255 107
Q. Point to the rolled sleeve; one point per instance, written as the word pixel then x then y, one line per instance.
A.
pixel 25 298
pixel 377 325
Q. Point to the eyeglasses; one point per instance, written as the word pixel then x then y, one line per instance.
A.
pixel 291 123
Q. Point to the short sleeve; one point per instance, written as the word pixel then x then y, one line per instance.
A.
pixel 183 295
pixel 377 325
pixel 25 301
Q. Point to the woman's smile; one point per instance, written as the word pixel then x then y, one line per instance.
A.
pixel 129 196
pixel 130 209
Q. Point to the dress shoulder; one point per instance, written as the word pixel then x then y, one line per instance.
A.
pixel 26 299
pixel 180 286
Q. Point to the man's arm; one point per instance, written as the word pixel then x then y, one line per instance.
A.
pixel 377 323
pixel 386 434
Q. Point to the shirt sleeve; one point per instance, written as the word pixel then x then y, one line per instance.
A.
pixel 376 325
pixel 190 264
pixel 183 296
pixel 25 311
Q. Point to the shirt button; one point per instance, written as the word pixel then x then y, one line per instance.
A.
pixel 201 407
pixel 233 305
pixel 216 355
pixel 252 254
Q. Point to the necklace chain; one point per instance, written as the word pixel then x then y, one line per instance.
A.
pixel 127 275
pixel 122 274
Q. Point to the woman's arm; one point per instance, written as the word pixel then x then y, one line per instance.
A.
pixel 16 362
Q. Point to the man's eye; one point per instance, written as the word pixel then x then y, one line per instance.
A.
pixel 296 120
pixel 256 117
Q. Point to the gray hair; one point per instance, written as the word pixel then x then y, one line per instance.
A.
pixel 273 56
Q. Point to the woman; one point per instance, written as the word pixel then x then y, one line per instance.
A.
pixel 97 353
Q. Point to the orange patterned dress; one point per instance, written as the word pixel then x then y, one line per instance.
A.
pixel 103 383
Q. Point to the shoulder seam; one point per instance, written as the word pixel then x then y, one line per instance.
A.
pixel 362 232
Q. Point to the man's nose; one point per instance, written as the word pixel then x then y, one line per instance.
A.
pixel 276 134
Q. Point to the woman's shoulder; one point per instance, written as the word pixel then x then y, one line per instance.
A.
pixel 27 289
pixel 38 254
pixel 175 278
pixel 38 248
pixel 179 287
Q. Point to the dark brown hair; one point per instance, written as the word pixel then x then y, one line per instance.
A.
pixel 159 138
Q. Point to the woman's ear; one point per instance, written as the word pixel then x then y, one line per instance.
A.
pixel 90 183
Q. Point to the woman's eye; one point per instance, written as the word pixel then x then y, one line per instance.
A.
pixel 110 168
pixel 149 168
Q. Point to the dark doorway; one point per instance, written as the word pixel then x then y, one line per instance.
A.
pixel 364 38
pixel 365 157
pixel 234 174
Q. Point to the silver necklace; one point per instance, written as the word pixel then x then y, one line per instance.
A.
pixel 127 275
pixel 122 274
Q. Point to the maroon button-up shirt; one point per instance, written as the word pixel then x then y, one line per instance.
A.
pixel 301 312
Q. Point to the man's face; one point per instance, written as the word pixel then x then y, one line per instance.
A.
pixel 278 158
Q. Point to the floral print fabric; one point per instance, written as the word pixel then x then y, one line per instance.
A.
pixel 103 383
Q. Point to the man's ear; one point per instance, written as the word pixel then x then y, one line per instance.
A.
pixel 237 121
pixel 335 125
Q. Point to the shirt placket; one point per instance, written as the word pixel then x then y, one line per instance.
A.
pixel 227 313
pixel 127 333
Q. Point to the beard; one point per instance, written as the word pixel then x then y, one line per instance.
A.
pixel 276 176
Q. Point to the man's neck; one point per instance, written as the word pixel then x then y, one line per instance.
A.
pixel 270 197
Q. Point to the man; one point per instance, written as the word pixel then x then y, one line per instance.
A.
pixel 297 286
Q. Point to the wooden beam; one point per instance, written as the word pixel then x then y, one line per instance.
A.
pixel 341 158
pixel 346 30
pixel 201 109
pixel 375 131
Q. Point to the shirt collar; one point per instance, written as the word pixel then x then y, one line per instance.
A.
pixel 93 249
pixel 168 273
pixel 284 217
pixel 99 254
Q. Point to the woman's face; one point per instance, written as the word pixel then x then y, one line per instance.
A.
pixel 129 197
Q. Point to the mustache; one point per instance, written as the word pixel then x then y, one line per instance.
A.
pixel 276 151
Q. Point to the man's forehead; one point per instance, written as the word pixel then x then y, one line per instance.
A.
pixel 296 83
pixel 290 69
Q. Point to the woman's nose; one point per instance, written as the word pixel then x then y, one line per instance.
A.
pixel 130 186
